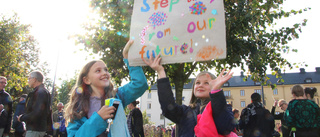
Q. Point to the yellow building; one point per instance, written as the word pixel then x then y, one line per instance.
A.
pixel 238 92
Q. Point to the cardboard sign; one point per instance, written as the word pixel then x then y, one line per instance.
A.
pixel 178 30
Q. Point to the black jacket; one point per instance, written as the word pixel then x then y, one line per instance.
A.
pixel 186 117
pixel 6 116
pixel 256 121
pixel 136 123
pixel 38 111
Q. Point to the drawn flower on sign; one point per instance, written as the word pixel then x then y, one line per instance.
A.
pixel 198 8
pixel 157 19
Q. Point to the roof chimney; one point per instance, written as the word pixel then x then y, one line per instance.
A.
pixel 241 74
pixel 318 69
pixel 302 70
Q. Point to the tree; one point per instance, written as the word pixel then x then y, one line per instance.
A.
pixel 19 55
pixel 64 90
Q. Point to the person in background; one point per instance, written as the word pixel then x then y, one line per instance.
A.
pixel 173 132
pixel 158 132
pixel 135 120
pixel 236 121
pixel 283 106
pixel 5 109
pixel 59 122
pixel 38 115
pixel 302 114
pixel 19 127
pixel 309 92
pixel 255 120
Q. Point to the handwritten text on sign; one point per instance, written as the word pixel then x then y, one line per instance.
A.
pixel 178 30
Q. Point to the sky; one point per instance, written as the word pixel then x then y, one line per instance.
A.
pixel 53 21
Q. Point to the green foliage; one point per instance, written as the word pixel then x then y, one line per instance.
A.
pixel 19 55
pixel 146 119
pixel 109 35
pixel 252 44
pixel 64 90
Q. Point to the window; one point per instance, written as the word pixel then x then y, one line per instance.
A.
pixel 257 83
pixel 149 95
pixel 149 106
pixel 149 115
pixel 243 104
pixel 242 93
pixel 277 113
pixel 161 116
pixel 227 93
pixel 226 84
pixel 275 92
pixel 308 80
pixel 258 91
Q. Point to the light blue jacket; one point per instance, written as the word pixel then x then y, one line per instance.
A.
pixel 128 93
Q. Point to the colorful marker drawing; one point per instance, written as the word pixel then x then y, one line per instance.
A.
pixel 142 34
pixel 198 8
pixel 157 19
pixel 183 48
pixel 208 52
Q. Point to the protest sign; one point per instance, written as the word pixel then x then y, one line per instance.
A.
pixel 178 30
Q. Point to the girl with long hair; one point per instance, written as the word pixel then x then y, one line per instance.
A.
pixel 86 113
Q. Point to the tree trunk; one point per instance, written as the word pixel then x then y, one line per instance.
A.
pixel 179 80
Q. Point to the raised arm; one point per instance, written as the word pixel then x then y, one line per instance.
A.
pixel 138 82
pixel 169 108
pixel 221 112
pixel 276 116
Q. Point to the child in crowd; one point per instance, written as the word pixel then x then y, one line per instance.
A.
pixel 86 113
pixel 206 95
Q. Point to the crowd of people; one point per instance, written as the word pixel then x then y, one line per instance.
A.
pixel 151 130
pixel 33 114
pixel 207 115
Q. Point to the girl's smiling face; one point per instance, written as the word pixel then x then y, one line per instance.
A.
pixel 98 77
pixel 202 87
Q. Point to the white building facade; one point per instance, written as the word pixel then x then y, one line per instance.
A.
pixel 150 104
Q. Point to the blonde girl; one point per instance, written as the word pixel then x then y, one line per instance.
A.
pixel 206 93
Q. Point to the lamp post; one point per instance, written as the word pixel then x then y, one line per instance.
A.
pixel 262 95
pixel 55 74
